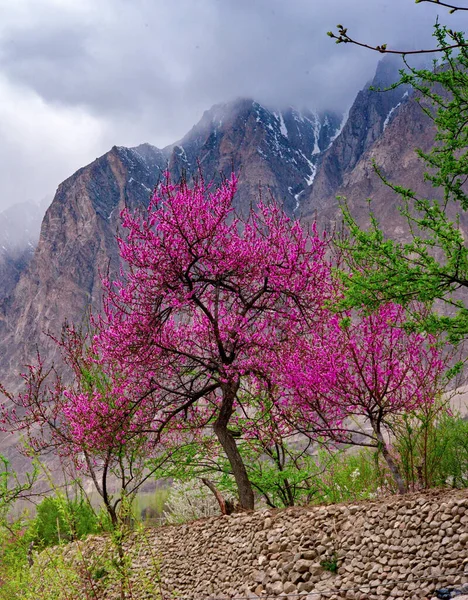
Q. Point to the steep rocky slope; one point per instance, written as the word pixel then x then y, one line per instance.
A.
pixel 19 232
pixel 374 118
pixel 77 241
pixel 77 244
pixel 394 153
pixel 304 158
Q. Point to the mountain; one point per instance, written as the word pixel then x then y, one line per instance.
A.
pixel 305 158
pixel 77 244
pixel 277 149
pixel 20 225
pixel 370 116
pixel 393 152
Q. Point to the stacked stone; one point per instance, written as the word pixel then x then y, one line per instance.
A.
pixel 401 547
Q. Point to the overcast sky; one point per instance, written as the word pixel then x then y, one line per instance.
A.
pixel 78 76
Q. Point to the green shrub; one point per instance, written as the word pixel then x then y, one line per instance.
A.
pixel 60 519
pixel 431 448
pixel 331 563
pixel 452 452
pixel 15 541
pixel 349 476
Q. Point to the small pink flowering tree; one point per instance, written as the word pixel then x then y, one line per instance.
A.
pixel 92 424
pixel 207 301
pixel 366 367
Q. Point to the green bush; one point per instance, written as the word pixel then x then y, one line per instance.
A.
pixel 431 448
pixel 349 476
pixel 452 452
pixel 15 542
pixel 69 572
pixel 60 519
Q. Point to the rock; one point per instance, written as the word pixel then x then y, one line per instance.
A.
pixel 259 590
pixel 294 576
pixel 302 565
pixel 259 576
pixel 289 588
pixel 317 569
pixel 275 588
pixel 305 586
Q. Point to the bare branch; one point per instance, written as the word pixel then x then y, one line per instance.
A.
pixel 343 38
pixel 453 8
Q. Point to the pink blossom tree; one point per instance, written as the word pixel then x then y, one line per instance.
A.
pixel 222 322
pixel 206 303
pixel 365 367
pixel 89 417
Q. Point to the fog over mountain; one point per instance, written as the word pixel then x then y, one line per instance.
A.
pixel 79 77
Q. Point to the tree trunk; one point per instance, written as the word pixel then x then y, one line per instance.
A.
pixel 390 462
pixel 227 441
pixel 225 506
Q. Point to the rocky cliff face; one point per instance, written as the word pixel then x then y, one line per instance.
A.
pixel 394 153
pixel 370 116
pixel 77 244
pixel 304 158
pixel 19 232
pixel 12 264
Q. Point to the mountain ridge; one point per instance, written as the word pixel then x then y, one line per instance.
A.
pixel 284 151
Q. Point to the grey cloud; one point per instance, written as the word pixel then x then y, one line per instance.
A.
pixel 142 52
pixel 145 70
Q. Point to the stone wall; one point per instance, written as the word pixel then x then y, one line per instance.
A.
pixel 400 547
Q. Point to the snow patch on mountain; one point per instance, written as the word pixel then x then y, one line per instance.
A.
pixel 344 120
pixel 283 128
pixel 392 111
pixel 296 198
pixel 313 170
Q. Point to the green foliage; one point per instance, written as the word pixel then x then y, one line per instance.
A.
pixel 283 473
pixel 54 579
pixel 348 476
pixel 60 519
pixel 452 452
pixel 417 445
pixel 96 568
pixel 326 477
pixel 15 540
pixel 330 563
pixel 431 447
pixel 433 265
pixel 11 488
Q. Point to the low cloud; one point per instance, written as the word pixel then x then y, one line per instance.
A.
pixel 77 77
